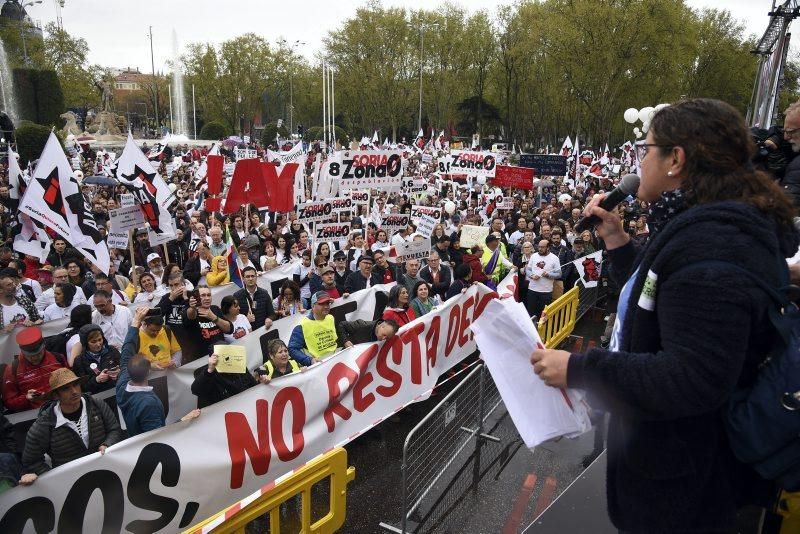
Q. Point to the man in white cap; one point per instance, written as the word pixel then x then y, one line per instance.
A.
pixel 155 266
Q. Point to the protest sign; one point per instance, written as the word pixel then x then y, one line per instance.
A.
pixel 126 199
pixel 588 268
pixel 124 219
pixel 431 211
pixel 341 204
pixel 314 211
pixel 427 158
pixel 231 358
pixel 412 250
pixel 469 163
pixel 473 235
pixel 375 169
pixel 360 198
pixel 394 222
pixel 544 164
pixel 331 232
pixel 415 185
pixel 117 239
pixel 245 153
pixel 425 225
pixel 150 482
pixel 517 177
pixel 504 202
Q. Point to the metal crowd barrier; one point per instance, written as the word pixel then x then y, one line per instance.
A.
pixel 559 318
pixel 268 500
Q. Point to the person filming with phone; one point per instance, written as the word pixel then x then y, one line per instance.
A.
pixel 97 360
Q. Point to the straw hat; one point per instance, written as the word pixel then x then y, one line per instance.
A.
pixel 63 377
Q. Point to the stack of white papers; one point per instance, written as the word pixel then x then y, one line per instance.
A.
pixel 506 338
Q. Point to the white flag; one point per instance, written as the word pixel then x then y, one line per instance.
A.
pixel 589 268
pixel 137 174
pixel 203 170
pixel 32 239
pixel 157 149
pixel 54 199
pixel 16 182
pixel 566 148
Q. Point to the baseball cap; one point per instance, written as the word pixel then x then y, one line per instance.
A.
pixel 340 255
pixel 327 269
pixel 366 257
pixel 153 256
pixel 578 241
pixel 320 297
pixel 30 341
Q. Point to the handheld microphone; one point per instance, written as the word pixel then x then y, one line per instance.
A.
pixel 627 187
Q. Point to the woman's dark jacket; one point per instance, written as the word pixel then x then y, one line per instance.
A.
pixel 670 467
pixel 211 388
pixel 82 364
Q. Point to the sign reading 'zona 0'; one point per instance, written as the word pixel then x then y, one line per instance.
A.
pixel 381 169
pixel 469 163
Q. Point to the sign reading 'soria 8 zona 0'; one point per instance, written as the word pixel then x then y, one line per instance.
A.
pixel 381 169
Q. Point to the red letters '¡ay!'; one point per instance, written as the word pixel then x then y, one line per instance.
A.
pixel 251 181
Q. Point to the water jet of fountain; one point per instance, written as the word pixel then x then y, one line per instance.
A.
pixel 181 126
pixel 7 98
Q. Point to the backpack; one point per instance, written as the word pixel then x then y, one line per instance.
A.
pixel 763 420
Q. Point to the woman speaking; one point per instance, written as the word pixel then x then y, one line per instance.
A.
pixel 685 337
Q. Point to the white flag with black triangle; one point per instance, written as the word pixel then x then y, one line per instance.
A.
pixel 54 199
pixel 32 239
pixel 16 181
pixel 149 189
pixel 589 268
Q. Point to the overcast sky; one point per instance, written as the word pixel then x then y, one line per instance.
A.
pixel 122 40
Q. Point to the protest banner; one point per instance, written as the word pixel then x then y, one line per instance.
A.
pixel 149 483
pixel 394 222
pixel 412 250
pixel 341 204
pixel 431 211
pixel 315 211
pixel 167 235
pixel 245 153
pixel 544 164
pixel 124 219
pixel 473 235
pixel 331 232
pixel 469 163
pixel 375 169
pixel 425 225
pixel 517 177
pixel 295 155
pixel 360 198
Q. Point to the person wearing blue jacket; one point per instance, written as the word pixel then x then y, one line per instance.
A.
pixel 140 407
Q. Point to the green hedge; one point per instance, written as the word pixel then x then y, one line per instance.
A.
pixel 39 96
pixel 214 131
pixel 315 133
pixel 271 131
pixel 31 139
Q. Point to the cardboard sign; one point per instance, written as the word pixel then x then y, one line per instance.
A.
pixel 245 153
pixel 360 198
pixel 126 200
pixel 413 250
pixel 517 177
pixel 473 235
pixel 469 163
pixel 315 211
pixel 425 225
pixel 124 219
pixel 544 164
pixel 415 185
pixel 427 158
pixel 394 222
pixel 504 202
pixel 231 358
pixel 376 169
pixel 117 240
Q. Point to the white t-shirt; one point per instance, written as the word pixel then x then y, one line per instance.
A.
pixel 117 297
pixel 54 311
pixel 539 265
pixel 301 270
pixel 14 314
pixel 47 299
pixel 114 326
pixel 241 327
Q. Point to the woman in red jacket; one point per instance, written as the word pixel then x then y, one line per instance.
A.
pixel 398 308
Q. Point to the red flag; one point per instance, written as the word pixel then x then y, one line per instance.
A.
pixel 281 186
pixel 214 180
pixel 247 172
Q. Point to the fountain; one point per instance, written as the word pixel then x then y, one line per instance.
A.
pixel 7 98
pixel 180 126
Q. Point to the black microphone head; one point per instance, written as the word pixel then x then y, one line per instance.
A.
pixel 629 184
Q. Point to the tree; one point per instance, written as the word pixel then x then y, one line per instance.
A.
pixel 66 55
pixel 214 130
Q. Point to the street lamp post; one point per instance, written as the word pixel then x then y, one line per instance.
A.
pixel 22 31
pixel 292 48
pixel 422 27
pixel 155 80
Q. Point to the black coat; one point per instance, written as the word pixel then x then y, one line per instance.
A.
pixel 358 331
pixel 263 305
pixel 445 279
pixel 356 281
pixel 670 467
pixel 211 388
pixel 791 181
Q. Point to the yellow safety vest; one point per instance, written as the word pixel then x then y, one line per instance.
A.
pixel 295 367
pixel 320 336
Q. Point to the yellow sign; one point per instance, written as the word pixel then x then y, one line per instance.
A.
pixel 231 358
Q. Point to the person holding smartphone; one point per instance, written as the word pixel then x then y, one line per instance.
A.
pixel 205 323
pixel 98 360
